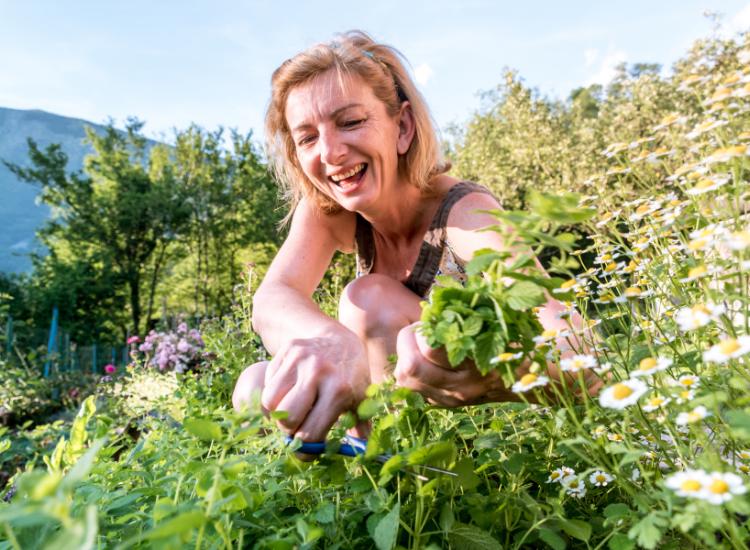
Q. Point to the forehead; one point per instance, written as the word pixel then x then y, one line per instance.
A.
pixel 325 95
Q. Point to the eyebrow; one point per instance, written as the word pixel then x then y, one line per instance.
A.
pixel 305 125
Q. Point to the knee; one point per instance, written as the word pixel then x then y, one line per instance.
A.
pixel 375 304
pixel 248 385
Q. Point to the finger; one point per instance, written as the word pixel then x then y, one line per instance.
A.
pixel 279 382
pixel 437 355
pixel 411 363
pixel 297 403
pixel 250 382
pixel 334 397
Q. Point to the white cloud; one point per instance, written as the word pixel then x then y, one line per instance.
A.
pixel 740 21
pixel 589 56
pixel 423 73
pixel 605 69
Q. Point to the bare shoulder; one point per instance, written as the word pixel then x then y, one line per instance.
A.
pixel 468 216
pixel 337 230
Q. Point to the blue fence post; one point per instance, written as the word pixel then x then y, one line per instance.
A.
pixel 9 336
pixel 93 359
pixel 52 342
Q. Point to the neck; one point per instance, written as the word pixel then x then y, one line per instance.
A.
pixel 402 219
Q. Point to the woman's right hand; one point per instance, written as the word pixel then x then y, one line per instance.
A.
pixel 314 380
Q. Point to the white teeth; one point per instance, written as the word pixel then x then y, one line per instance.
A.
pixel 338 177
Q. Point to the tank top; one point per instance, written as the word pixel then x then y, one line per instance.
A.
pixel 436 256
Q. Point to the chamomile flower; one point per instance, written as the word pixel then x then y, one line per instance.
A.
pixel 574 486
pixel 697 414
pixel 550 335
pixel 600 478
pixel 655 402
pixel 689 483
pixel 528 382
pixel 651 365
pixel 725 154
pixel 506 357
pixel 684 396
pixel 558 474
pixel 705 126
pixel 578 363
pixel 726 349
pixel 721 487
pixel 623 394
pixel 739 240
pixel 708 184
pixel 603 368
pixel 697 316
pixel 687 381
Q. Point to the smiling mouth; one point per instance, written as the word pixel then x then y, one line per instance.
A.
pixel 351 176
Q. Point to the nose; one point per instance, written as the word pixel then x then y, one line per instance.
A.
pixel 332 147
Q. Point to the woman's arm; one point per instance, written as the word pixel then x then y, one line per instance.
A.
pixel 319 367
pixel 426 369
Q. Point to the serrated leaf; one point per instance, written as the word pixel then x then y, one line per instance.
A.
pixel 647 531
pixel 386 530
pixel 178 524
pixel 620 542
pixel 431 452
pixel 555 541
pixel 470 537
pixel 524 295
pixel 203 429
pixel 576 528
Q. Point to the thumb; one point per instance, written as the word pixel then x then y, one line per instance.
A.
pixel 438 356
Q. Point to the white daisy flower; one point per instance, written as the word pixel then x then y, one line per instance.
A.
pixel 550 335
pixel 603 367
pixel 705 126
pixel 728 348
pixel 689 483
pixel 622 394
pixel 600 478
pixel 528 382
pixel 578 363
pixel 708 184
pixel 558 474
pixel 685 396
pixel 655 402
pixel 573 486
pixel 651 365
pixel 739 240
pixel 691 318
pixel 635 475
pixel 721 487
pixel 687 381
pixel 698 413
pixel 506 357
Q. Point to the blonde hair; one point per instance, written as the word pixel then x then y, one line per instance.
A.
pixel 381 67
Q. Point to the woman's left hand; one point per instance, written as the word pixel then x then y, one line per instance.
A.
pixel 426 370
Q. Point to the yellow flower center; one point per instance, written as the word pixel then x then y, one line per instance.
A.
pixel 700 308
pixel 685 394
pixel 550 333
pixel 505 356
pixel 697 271
pixel 528 379
pixel 606 257
pixel 568 284
pixel 728 347
pixel 697 244
pixel 647 364
pixel 688 382
pixel 621 391
pixel 694 416
pixel 656 401
pixel 719 486
pixel 600 478
pixel 690 485
pixel 554 475
pixel 632 291
pixel 610 267
pixel 705 184
pixel 573 484
pixel 643 209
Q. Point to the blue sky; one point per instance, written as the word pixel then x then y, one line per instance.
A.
pixel 171 63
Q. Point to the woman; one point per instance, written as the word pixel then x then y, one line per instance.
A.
pixel 353 144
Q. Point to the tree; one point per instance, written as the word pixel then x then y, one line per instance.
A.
pixel 120 214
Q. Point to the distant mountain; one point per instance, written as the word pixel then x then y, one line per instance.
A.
pixel 20 216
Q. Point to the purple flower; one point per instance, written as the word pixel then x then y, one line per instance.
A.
pixel 133 340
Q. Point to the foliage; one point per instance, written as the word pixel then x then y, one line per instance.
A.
pixel 659 458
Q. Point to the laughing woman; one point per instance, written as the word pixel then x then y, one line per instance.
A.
pixel 353 144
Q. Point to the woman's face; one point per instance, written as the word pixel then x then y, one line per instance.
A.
pixel 346 142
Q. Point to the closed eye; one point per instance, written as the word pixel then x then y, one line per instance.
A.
pixel 353 123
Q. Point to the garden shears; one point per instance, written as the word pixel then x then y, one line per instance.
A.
pixel 354 446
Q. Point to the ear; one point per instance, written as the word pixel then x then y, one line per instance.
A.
pixel 406 128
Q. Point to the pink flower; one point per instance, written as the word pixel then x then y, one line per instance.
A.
pixel 110 369
pixel 133 340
